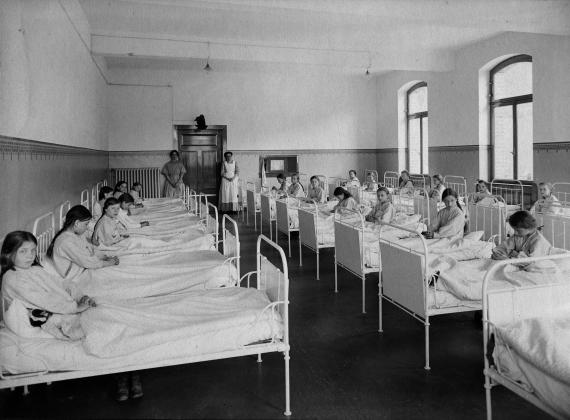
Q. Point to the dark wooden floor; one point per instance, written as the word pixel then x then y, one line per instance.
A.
pixel 341 367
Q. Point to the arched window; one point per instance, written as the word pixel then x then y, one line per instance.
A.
pixel 510 101
pixel 417 128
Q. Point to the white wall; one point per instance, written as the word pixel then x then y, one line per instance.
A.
pixel 262 109
pixel 50 87
pixel 453 97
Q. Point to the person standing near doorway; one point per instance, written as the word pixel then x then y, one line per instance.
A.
pixel 229 200
pixel 173 171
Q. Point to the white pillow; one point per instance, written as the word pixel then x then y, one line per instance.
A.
pixel 17 320
pixel 475 236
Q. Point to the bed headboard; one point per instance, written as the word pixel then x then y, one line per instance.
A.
pixel 44 231
pixel 517 303
pixel 62 212
pixel 391 179
pixel 271 279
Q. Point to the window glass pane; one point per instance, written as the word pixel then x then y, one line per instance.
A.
pixel 503 142
pixel 425 132
pixel 524 141
pixel 513 80
pixel 417 100
pixel 414 145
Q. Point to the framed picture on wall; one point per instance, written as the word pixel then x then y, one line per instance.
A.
pixel 275 165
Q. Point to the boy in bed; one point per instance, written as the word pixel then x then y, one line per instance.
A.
pixel 526 242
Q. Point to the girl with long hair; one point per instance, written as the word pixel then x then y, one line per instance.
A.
pixel 450 221
pixel 345 199
pixel 70 252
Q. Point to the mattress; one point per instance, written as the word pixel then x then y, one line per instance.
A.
pixel 199 323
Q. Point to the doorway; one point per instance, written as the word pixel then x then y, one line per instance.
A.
pixel 201 152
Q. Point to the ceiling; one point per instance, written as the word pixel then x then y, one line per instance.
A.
pixel 381 35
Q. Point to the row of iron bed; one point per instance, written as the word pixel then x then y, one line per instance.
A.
pixel 405 279
pixel 270 278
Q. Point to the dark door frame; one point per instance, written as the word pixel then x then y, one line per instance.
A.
pixel 217 130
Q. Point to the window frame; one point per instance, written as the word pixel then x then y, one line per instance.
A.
pixel 513 102
pixel 421 115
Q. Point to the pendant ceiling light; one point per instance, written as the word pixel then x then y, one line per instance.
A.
pixel 207 67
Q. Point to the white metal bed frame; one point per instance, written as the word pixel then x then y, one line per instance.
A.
pixel 403 271
pixel 45 235
pixel 391 179
pixel 62 212
pixel 555 228
pixel 85 198
pixel 561 190
pixel 269 278
pixel 457 183
pixel 419 181
pixel 511 305
pixel 309 233
pixel 282 221
pixel 251 207
pixel 511 190
pixel 491 219
pixel 266 217
pixel 350 250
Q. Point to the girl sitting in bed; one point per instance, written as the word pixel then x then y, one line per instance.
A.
pixel 450 221
pixel 126 201
pixel 481 192
pixel 136 193
pixel 371 183
pixel 120 189
pixel 25 281
pixel 406 185
pixel 345 200
pixel 547 203
pixel 295 189
pixel 352 179
pixel 315 191
pixel 383 211
pixel 527 241
pixel 283 184
pixel 109 230
pixel 437 191
pixel 104 193
pixel 69 251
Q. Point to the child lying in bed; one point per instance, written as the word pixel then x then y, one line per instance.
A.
pixel 25 283
pixel 526 242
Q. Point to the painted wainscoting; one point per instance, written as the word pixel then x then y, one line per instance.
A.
pixel 330 162
pixel 37 177
pixel 456 160
pixel 552 162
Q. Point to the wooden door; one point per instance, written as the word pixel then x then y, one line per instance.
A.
pixel 201 152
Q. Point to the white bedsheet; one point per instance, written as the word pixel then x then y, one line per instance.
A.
pixel 199 270
pixel 192 240
pixel 464 279
pixel 535 353
pixel 151 330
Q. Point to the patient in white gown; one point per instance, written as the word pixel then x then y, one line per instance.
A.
pixel 25 283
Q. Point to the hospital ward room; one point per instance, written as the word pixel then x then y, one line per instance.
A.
pixel 269 209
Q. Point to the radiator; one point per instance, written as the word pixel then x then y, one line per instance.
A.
pixel 148 177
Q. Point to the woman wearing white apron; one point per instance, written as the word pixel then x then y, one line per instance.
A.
pixel 229 200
